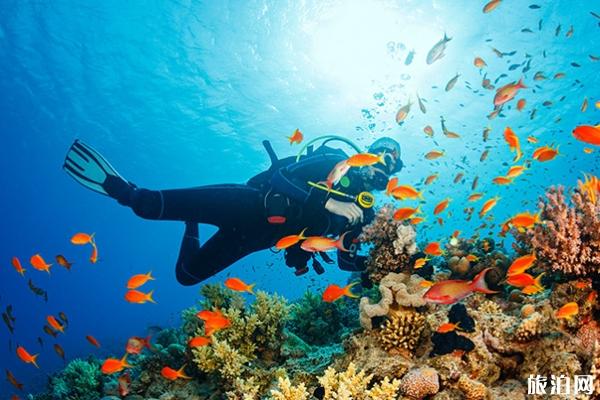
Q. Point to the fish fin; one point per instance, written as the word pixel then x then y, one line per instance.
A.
pixel 150 277
pixel 382 158
pixel 301 234
pixel 340 242
pixel 124 362
pixel 348 290
pixel 538 280
pixel 478 284
pixel 34 360
pixel 520 84
pixel 251 288
pixel 149 297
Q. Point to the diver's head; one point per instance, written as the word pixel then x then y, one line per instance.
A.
pixel 393 163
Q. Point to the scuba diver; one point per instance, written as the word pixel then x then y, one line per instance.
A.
pixel 289 197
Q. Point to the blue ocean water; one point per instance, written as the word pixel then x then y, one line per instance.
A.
pixel 181 93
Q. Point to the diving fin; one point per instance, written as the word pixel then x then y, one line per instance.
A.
pixel 89 168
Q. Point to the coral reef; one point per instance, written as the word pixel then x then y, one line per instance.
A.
pixel 80 380
pixel 530 328
pixel 472 390
pixel 419 383
pixel 393 244
pixel 285 391
pixel 402 332
pixel 354 385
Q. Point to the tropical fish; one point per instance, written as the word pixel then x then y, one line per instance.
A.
pixel 429 180
pixel 112 365
pixel 484 155
pixel 238 285
pixel 296 137
pixel 8 323
pixel 123 384
pixel 137 297
pixel 337 173
pixel 434 154
pixel 55 324
pixel 475 196
pixel 441 206
pixel 62 261
pixel 136 344
pixel 365 159
pixel 437 51
pixel 532 289
pixel 403 113
pixel 38 262
pixel 534 6
pixel 587 134
pixel 458 177
pixel 94 255
pixel 391 185
pixel 568 311
pixel 409 57
pixel 334 292
pixel 205 315
pixel 491 6
pixel 502 180
pixel 139 280
pixel 475 182
pixel 521 104
pixel 448 327
pixel 59 350
pixel 13 381
pixel 452 291
pixel 405 213
pixel 426 284
pixel 420 262
pixel 428 130
pixel 93 341
pixel 16 263
pixel 452 82
pixel 532 139
pixel 403 192
pixel 508 92
pixel 199 341
pixel 584 105
pixel 570 32
pixel 479 63
pixel 488 205
pixel 172 375
pixel 215 324
pixel 588 150
pixel 433 249
pixel 521 264
pixel 50 331
pixel 525 220
pixel 421 105
pixel 26 357
pixel 557 30
pixel 513 142
pixel 539 76
pixel 472 257
pixel 37 291
pixel 559 75
pixel 515 171
pixel 315 244
pixel 416 220
pixel 290 240
pixel 524 279
pixel 545 153
pixel 82 238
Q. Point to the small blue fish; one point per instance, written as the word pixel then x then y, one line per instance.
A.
pixel 534 6
pixel 513 67
pixel 409 57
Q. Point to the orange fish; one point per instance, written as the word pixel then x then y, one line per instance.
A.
pixel 525 220
pixel 215 324
pixel 591 298
pixel 587 150
pixel 429 180
pixel 479 63
pixel 205 315
pixel 420 262
pixel 455 234
pixel 16 263
pixel 524 279
pixel 137 297
pixel 513 142
pixel 365 160
pixel 448 327
pixel 546 153
pixel 532 139
pixel 26 357
pixel 568 311
pixel 587 134
pixel 433 249
pixel 113 365
pixel 199 341
pixel 296 137
pixel 484 155
pixel 416 220
pixel 94 255
pixel 508 92
pixel 53 322
pixel 451 291
pixel 136 344
pixel 13 381
pixel 472 257
pixel 521 264
pixel 425 284
pixel 521 104
pixel 172 375
pixel 290 240
pixel 82 238
pixel 428 130
pixel 532 289
pixel 403 192
pixel 315 244
pixel 488 205
pixel 434 154
pixel 334 292
pixel 38 263
pixel 502 180
pixel 441 206
pixel 238 285
pixel 403 112
pixel 475 196
pixel 93 341
pixel 405 213
pixel 582 284
pixel 63 262
pixel 515 170
pixel 139 280
pixel 391 185
pixel 337 173
pixel 559 75
pixel 491 6
pixel 59 350
pixel 123 384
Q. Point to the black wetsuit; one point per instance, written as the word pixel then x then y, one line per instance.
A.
pixel 240 213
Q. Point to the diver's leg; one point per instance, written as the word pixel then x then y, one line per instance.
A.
pixel 196 263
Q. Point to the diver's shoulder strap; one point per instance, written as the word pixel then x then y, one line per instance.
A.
pixel 272 156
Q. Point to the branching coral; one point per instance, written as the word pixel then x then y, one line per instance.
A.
pixel 80 380
pixel 393 244
pixel 397 291
pixel 285 391
pixel 568 239
pixel 402 332
pixel 353 385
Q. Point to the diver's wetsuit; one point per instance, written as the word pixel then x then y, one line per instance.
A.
pixel 239 212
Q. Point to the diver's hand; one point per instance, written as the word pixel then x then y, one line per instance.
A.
pixel 351 211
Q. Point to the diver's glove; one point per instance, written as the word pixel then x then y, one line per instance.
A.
pixel 348 210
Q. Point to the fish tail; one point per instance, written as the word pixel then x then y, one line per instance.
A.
pixel 348 290
pixel 538 280
pixel 301 234
pixel 124 362
pixel 381 158
pixel 340 242
pixel 34 360
pixel 251 288
pixel 149 297
pixel 150 277
pixel 520 84
pixel 478 284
